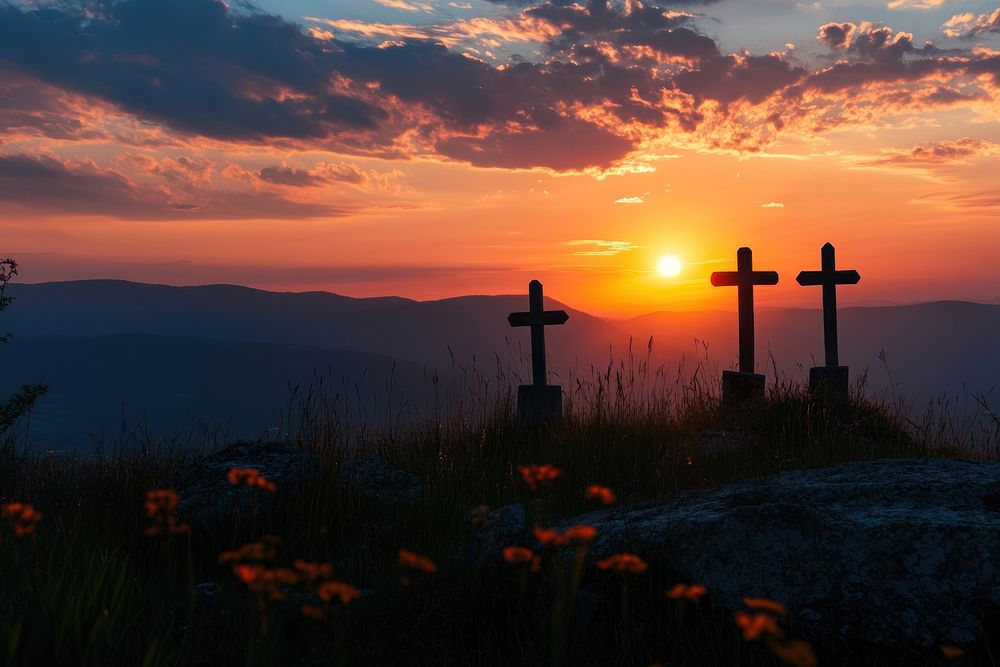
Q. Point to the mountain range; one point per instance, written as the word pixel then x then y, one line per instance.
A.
pixel 122 357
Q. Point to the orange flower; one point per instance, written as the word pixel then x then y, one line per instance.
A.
pixel 312 571
pixel 329 590
pixel 763 604
pixel 23 518
pixel 414 561
pixel 600 493
pixel 250 477
pixel 623 563
pixel 692 593
pixel 477 515
pixel 538 475
pixel 263 551
pixel 522 556
pixel 553 539
pixel 160 507
pixel 951 652
pixel 796 652
pixel 313 612
pixel 754 626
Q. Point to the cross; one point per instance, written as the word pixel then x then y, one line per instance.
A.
pixel 829 277
pixel 537 318
pixel 745 278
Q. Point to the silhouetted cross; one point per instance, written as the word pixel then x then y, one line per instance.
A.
pixel 829 277
pixel 537 318
pixel 744 277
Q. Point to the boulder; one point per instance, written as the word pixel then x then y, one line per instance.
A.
pixel 894 552
pixel 207 497
pixel 375 479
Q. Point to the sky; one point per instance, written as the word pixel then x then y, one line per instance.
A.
pixel 435 148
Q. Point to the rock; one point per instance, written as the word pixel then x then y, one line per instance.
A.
pixel 207 497
pixel 506 526
pixel 375 479
pixel 895 552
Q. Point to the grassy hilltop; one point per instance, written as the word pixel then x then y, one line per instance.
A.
pixel 89 586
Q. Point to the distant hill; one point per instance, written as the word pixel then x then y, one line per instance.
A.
pixel 226 354
pixel 172 385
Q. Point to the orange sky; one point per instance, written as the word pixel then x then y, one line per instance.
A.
pixel 899 173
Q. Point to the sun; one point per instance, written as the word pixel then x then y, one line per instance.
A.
pixel 669 266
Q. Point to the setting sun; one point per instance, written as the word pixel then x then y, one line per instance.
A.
pixel 669 266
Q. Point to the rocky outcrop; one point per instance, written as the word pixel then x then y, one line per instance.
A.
pixel 375 479
pixel 893 552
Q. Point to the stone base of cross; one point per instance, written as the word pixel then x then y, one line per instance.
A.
pixel 831 382
pixel 538 405
pixel 739 387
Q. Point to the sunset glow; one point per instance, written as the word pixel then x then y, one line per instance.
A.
pixel 435 149
pixel 669 266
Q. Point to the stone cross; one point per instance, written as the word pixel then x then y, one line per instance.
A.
pixel 829 277
pixel 538 401
pixel 744 278
pixel 831 378
pixel 537 318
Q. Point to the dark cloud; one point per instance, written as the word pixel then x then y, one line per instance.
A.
pixel 48 185
pixel 281 175
pixel 970 26
pixel 937 153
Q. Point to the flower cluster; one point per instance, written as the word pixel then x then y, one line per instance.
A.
pixel 535 476
pixel 250 477
pixel 761 623
pixel 23 518
pixel 691 593
pixel 623 564
pixel 315 579
pixel 413 563
pixel 602 494
pixel 522 556
pixel 574 535
pixel 161 505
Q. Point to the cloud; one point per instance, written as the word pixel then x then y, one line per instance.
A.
pixel 969 25
pixel 49 185
pixel 772 204
pixel 606 82
pixel 406 6
pixel 936 153
pixel 600 248
pixel 916 4
pixel 630 200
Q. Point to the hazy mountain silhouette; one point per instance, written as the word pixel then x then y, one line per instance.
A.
pixel 226 354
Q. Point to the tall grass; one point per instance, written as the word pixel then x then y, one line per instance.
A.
pixel 91 588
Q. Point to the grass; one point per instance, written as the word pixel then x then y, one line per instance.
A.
pixel 90 588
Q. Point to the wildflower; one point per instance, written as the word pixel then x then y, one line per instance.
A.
pixel 263 551
pixel 330 590
pixel 951 652
pixel 264 581
pixel 692 593
pixel 250 477
pixel 161 505
pixel 755 626
pixel 414 561
pixel 522 556
pixel 312 572
pixel 477 515
pixel 600 493
pixel 313 612
pixel 796 652
pixel 23 518
pixel 623 563
pixel 554 540
pixel 539 475
pixel 763 604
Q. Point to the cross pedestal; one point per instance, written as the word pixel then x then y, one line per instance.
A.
pixel 536 405
pixel 831 380
pixel 538 402
pixel 744 385
pixel 739 387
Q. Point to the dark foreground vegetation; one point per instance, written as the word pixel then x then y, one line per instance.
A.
pixel 110 576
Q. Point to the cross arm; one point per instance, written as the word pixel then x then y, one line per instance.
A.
pixel 549 317
pixel 725 278
pixel 847 277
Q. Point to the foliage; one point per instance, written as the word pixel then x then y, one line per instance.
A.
pixel 18 405
pixel 325 575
